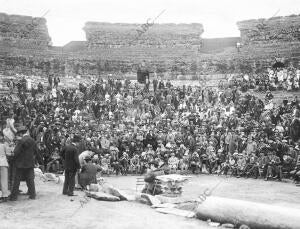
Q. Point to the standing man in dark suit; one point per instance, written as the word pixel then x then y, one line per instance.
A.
pixel 25 155
pixel 70 155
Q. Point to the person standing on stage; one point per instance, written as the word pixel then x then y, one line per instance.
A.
pixel 3 170
pixel 24 158
pixel 70 156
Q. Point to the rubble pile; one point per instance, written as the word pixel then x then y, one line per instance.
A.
pixel 23 32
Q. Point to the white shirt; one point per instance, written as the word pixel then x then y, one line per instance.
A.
pixel 3 152
pixel 83 155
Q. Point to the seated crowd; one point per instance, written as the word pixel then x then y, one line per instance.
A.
pixel 125 127
pixel 287 79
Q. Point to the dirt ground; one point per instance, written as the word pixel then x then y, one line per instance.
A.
pixel 53 210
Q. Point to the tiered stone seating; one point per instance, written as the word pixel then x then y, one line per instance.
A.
pixel 23 32
pixel 64 82
pixel 175 51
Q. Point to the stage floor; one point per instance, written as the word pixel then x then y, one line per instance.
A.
pixel 283 193
pixel 53 210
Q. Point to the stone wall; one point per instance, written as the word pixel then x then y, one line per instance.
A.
pixel 45 63
pixel 275 29
pixel 218 45
pixel 165 47
pixel 271 40
pixel 99 34
pixel 23 32
pixel 171 50
pixel 250 59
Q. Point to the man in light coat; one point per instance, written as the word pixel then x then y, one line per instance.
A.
pixel 3 170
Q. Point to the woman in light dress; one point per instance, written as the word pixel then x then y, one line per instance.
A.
pixel 10 131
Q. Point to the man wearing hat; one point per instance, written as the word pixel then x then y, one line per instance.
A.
pixel 135 164
pixel 274 167
pixel 124 162
pixel 105 143
pixel 25 155
pixel 296 172
pixel 3 169
pixel 150 150
pixel 241 165
pixel 71 160
pixel 195 162
pixel 105 164
pixel 173 162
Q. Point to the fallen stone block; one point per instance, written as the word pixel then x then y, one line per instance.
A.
pixel 111 191
pixel 130 197
pixel 213 224
pixel 166 205
pixel 255 215
pixel 51 177
pixel 227 225
pixel 102 196
pixel 46 176
pixel 93 187
pixel 178 212
pixel 172 200
pixel 152 200
pixel 189 206
pixel 114 191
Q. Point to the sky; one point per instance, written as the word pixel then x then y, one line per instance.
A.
pixel 66 18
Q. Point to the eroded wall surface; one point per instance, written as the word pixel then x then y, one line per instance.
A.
pixel 170 50
pixel 23 32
